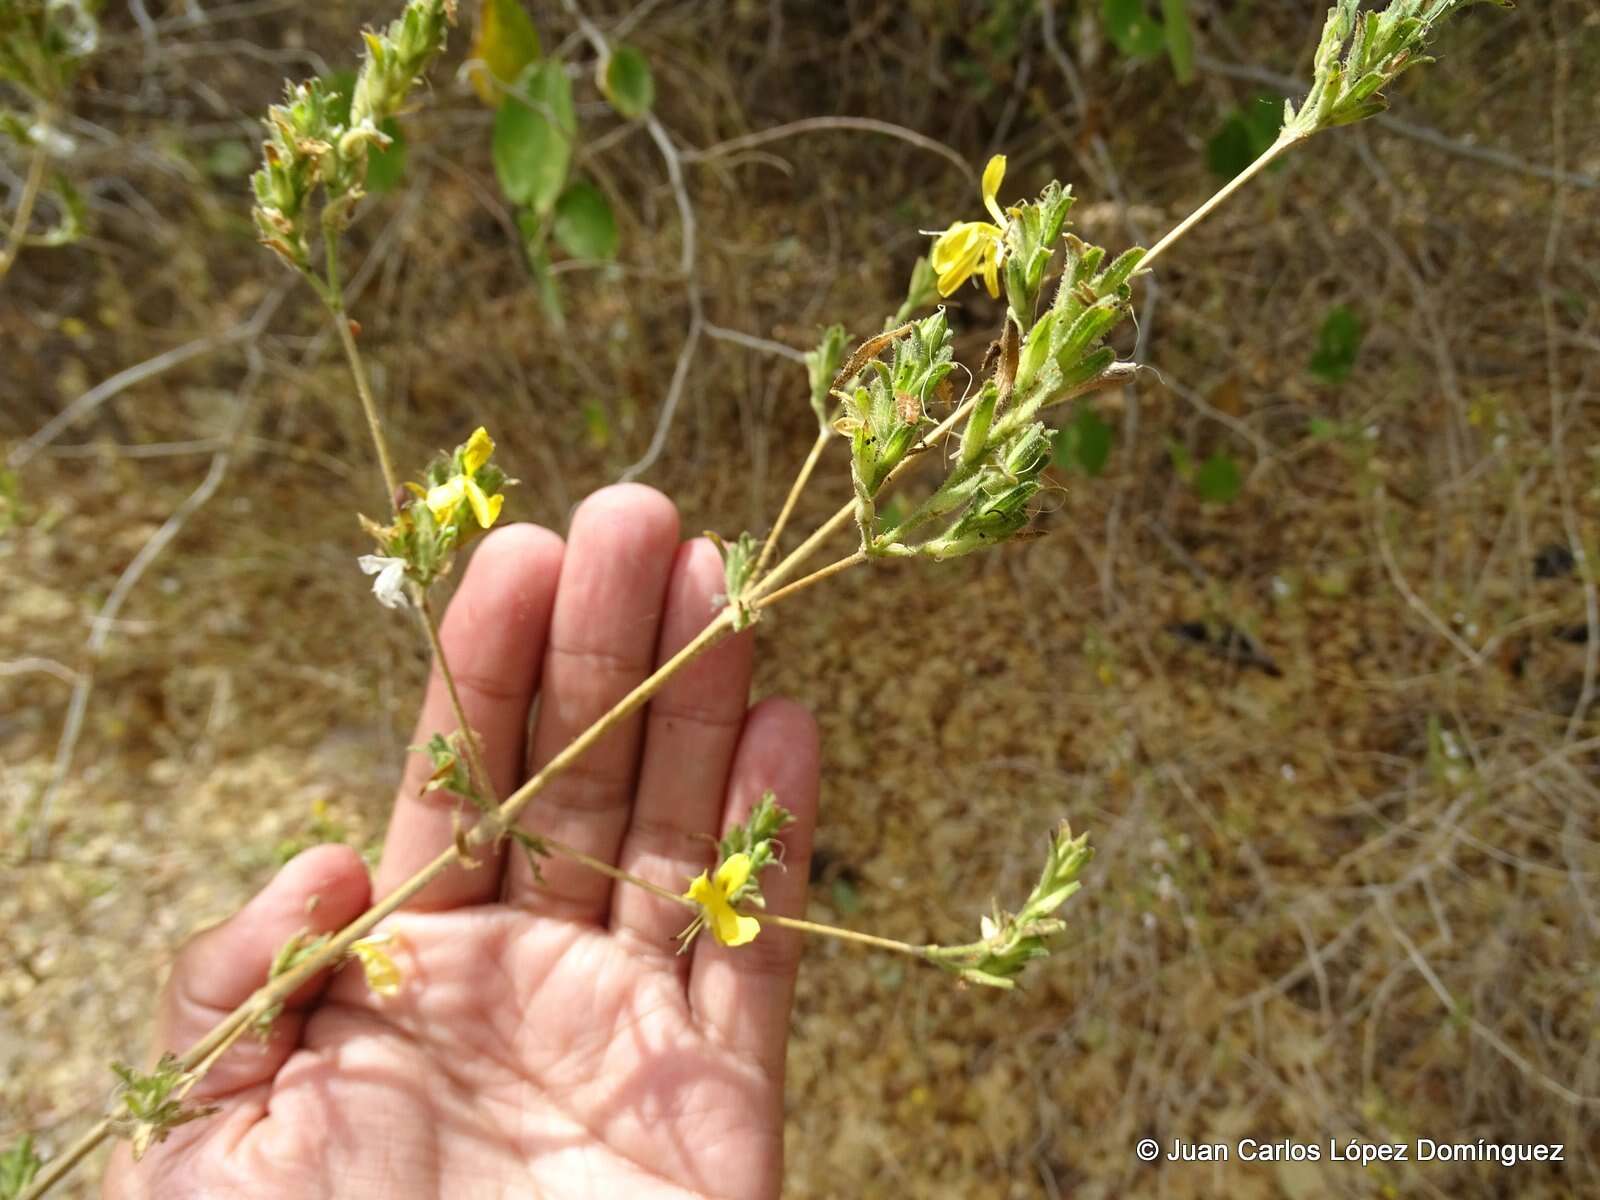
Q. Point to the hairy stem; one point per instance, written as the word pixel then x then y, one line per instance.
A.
pixel 332 294
pixel 1200 214
pixel 842 934
pixel 817 576
pixel 475 764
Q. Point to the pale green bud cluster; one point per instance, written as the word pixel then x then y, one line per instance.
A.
pixel 1003 449
pixel 1009 941
pixel 738 567
pixel 311 143
pixel 1361 53
pixel 822 364
pixel 1030 245
pixel 148 1108
pixel 756 837
pixel 397 58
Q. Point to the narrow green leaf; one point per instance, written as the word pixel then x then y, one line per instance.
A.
pixel 1218 480
pixel 1180 38
pixel 625 80
pixel 1338 344
pixel 584 224
pixel 506 43
pixel 533 136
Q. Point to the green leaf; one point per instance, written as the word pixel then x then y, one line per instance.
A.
pixel 506 44
pixel 1131 28
pixel 1218 480
pixel 1247 133
pixel 1338 343
pixel 625 80
pixel 340 85
pixel 584 225
pixel 1180 38
pixel 533 136
pixel 1085 444
pixel 18 1166
pixel 386 166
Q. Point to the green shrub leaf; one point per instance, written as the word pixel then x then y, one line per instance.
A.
pixel 386 166
pixel 1246 134
pixel 1131 28
pixel 626 81
pixel 1217 480
pixel 585 226
pixel 1338 343
pixel 505 45
pixel 533 136
pixel 1180 38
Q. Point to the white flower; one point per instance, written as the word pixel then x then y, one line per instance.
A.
pixel 390 585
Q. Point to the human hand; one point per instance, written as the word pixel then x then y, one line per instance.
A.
pixel 548 1039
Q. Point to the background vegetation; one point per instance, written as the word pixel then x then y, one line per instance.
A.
pixel 1310 649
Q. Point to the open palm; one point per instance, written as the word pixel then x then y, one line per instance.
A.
pixel 548 1039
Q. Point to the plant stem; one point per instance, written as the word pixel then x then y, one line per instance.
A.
pixel 475 763
pixel 332 294
pixel 817 576
pixel 1200 214
pixel 31 186
pixel 799 485
pixel 842 934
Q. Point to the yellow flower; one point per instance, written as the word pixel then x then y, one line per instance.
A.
pixel 443 499
pixel 383 976
pixel 971 248
pixel 727 926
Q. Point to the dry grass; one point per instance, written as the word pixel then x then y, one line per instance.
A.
pixel 1357 899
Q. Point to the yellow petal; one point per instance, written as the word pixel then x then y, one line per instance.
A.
pixel 729 928
pixel 485 507
pixel 993 174
pixel 383 976
pixel 953 245
pixel 699 889
pixel 479 447
pixel 991 272
pixel 442 500
pixel 731 875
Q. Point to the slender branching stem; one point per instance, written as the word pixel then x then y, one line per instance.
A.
pixel 31 186
pixel 841 934
pixel 817 576
pixel 332 293
pixel 1283 143
pixel 768 591
pixel 475 764
pixel 798 486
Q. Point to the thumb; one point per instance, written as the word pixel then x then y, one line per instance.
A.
pixel 318 891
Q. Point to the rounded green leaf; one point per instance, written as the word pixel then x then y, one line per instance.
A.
pixel 533 136
pixel 626 81
pixel 585 226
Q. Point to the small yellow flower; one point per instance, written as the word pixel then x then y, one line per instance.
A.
pixel 971 248
pixel 727 926
pixel 383 976
pixel 443 499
